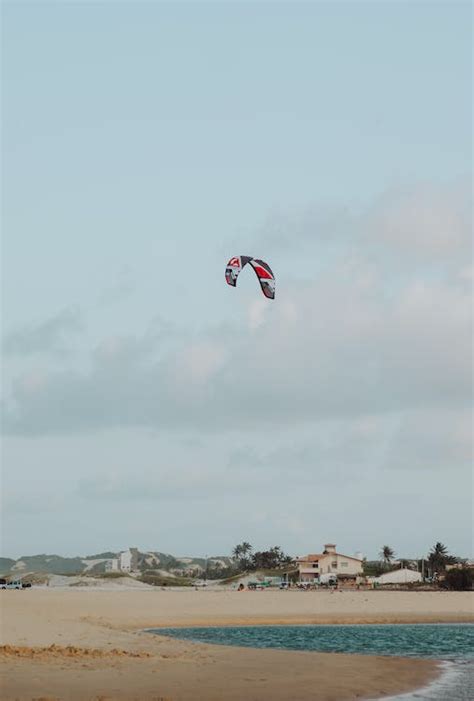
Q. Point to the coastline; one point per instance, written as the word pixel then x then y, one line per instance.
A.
pixel 101 649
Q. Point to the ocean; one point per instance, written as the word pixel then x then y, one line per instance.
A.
pixel 451 643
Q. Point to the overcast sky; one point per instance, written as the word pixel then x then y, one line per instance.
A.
pixel 145 402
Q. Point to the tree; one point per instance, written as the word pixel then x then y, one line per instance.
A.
pixel 372 568
pixel 271 559
pixel 387 554
pixel 246 549
pixel 438 557
pixel 237 552
pixel 241 553
pixel 459 579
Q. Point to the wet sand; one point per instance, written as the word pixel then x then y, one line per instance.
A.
pixel 91 644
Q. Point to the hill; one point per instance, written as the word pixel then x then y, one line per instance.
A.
pixel 150 562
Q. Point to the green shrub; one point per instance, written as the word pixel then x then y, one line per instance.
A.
pixel 157 580
pixel 459 580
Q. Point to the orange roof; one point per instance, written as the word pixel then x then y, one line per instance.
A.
pixel 315 558
pixel 310 558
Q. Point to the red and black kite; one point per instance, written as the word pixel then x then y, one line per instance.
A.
pixel 262 270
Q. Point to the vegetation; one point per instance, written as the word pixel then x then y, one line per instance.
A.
pixel 273 559
pixel 52 564
pixel 248 561
pixel 439 557
pixel 242 554
pixel 373 568
pixel 218 572
pixel 6 563
pixel 459 579
pixel 158 580
pixel 162 569
pixel 386 555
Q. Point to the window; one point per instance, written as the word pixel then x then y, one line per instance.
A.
pixel 334 564
pixel 344 564
pixel 315 564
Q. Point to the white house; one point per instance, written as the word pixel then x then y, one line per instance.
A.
pixel 402 576
pixel 128 560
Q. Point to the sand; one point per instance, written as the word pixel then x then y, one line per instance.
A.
pixel 90 644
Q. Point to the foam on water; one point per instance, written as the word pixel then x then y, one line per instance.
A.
pixel 455 684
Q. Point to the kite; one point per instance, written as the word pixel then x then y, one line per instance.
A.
pixel 262 270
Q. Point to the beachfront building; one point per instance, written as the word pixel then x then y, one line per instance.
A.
pixel 401 576
pixel 328 562
pixel 128 560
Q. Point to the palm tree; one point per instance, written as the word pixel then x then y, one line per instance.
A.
pixel 438 557
pixel 237 552
pixel 387 554
pixel 246 549
pixel 241 553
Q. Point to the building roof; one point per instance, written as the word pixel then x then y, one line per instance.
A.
pixel 316 557
pixel 399 577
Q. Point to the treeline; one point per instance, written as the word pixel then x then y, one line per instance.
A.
pixel 272 559
pixel 245 559
pixel 434 566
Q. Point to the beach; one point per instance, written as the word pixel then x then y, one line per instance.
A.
pixel 90 643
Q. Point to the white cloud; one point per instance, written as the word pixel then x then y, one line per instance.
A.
pixel 356 340
pixel 430 221
pixel 357 377
pixel 256 313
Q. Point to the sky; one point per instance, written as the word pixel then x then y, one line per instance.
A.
pixel 146 403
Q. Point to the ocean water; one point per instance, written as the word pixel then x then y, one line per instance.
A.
pixel 451 643
pixel 456 684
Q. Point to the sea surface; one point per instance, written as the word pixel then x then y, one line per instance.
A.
pixel 451 643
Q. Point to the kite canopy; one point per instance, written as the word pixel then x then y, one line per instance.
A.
pixel 262 271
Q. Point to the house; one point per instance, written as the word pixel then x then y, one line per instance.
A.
pixel 328 562
pixel 128 560
pixel 401 576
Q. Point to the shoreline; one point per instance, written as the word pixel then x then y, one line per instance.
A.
pixel 101 649
pixel 321 620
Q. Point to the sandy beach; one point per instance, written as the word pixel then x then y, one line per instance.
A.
pixel 90 644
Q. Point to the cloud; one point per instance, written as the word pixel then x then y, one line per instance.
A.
pixel 357 355
pixel 429 222
pixel 186 483
pixel 430 440
pixel 406 227
pixel 354 340
pixel 49 336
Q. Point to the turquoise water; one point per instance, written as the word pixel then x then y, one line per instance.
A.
pixel 454 644
pixel 441 641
